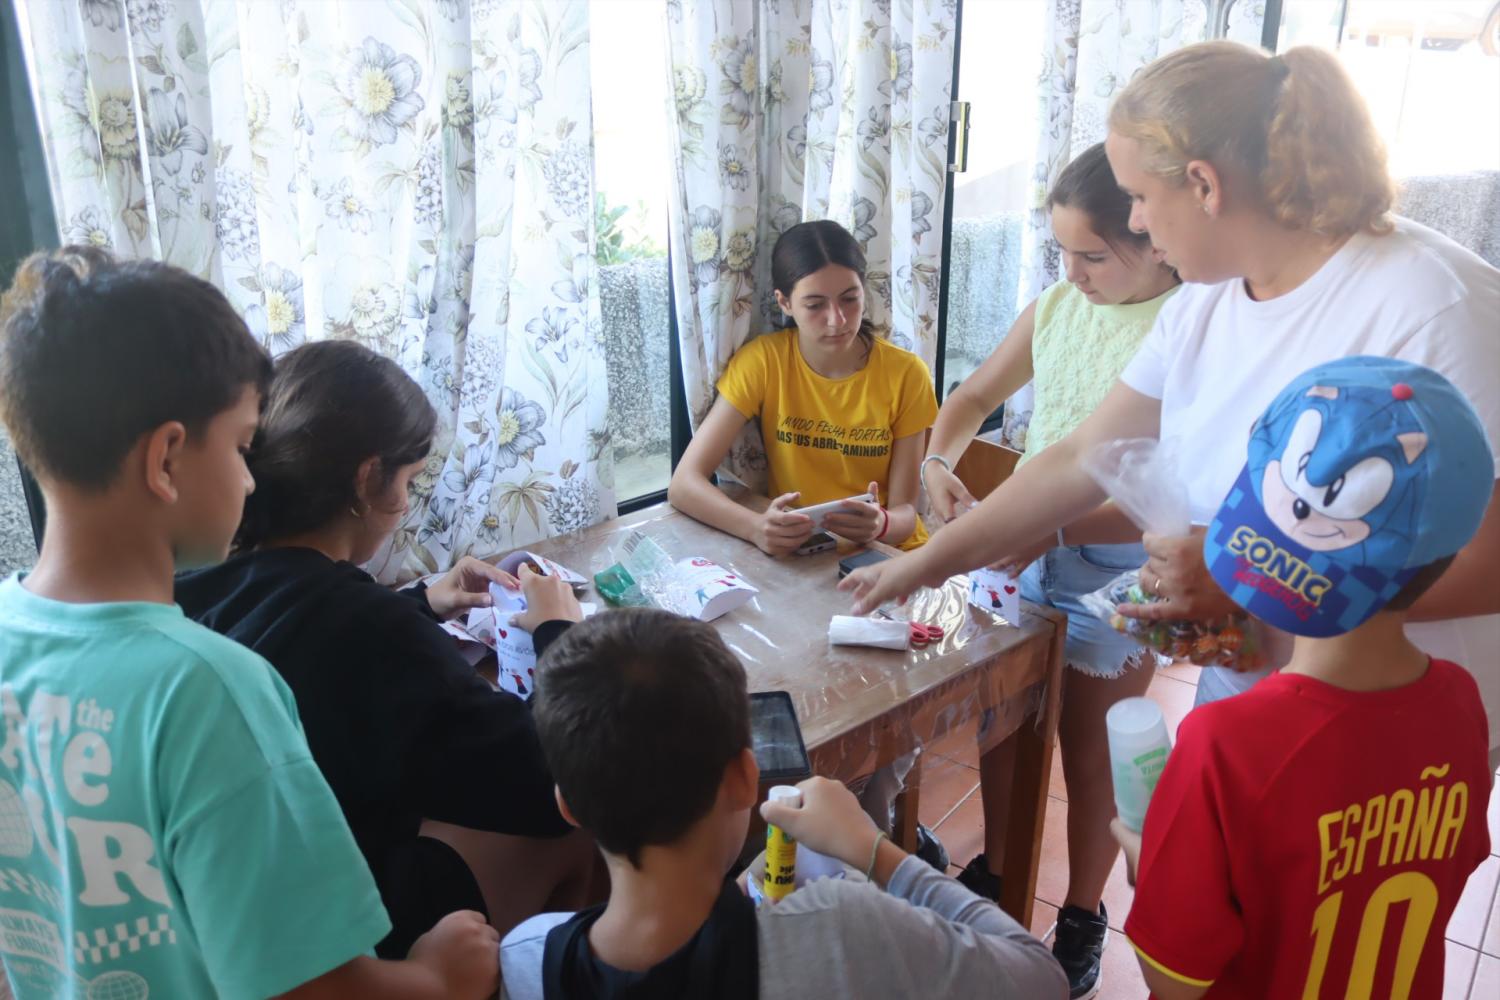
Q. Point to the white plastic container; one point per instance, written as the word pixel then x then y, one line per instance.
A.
pixel 1138 749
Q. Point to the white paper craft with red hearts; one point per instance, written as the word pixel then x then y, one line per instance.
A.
pixel 997 593
pixel 513 647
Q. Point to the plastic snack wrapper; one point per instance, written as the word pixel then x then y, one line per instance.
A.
pixel 1140 475
pixel 694 587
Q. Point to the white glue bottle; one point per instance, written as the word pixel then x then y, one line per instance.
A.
pixel 1138 748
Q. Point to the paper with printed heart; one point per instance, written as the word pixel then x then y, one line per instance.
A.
pixel 514 648
pixel 996 592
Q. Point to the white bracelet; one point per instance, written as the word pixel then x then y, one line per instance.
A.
pixel 922 469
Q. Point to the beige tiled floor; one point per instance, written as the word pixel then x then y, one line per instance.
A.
pixel 950 805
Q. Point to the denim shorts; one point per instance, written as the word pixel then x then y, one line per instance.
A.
pixel 1062 576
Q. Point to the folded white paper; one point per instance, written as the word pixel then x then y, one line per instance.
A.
pixel 512 563
pixel 715 590
pixel 513 647
pixel 846 630
pixel 995 591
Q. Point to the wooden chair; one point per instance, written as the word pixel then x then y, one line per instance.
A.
pixel 985 465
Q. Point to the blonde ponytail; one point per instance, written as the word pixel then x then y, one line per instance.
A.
pixel 1292 125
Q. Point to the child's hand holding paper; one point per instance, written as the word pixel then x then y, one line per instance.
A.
pixel 465 586
pixel 547 598
pixel 506 625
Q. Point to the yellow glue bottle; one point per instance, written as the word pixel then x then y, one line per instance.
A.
pixel 781 849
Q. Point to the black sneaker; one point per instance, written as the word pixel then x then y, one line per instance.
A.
pixel 978 879
pixel 931 850
pixel 1079 948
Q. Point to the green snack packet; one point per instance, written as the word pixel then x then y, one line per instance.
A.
pixel 619 588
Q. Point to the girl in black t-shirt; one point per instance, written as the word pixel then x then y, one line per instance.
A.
pixel 441 778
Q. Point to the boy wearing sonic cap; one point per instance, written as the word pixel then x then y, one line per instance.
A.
pixel 1311 837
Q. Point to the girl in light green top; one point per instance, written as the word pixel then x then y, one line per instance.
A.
pixel 1072 342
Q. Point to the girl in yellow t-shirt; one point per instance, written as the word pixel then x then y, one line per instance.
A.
pixel 841 411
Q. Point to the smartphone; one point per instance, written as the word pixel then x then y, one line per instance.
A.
pixel 818 511
pixel 869 557
pixel 777 738
pixel 820 541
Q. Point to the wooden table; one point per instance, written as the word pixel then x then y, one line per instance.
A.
pixel 863 708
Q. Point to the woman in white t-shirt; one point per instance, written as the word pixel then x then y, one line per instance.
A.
pixel 1264 182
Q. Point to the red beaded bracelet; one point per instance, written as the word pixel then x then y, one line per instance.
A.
pixel 885 525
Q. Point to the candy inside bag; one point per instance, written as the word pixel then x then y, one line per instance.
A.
pixel 1235 641
pixel 1140 476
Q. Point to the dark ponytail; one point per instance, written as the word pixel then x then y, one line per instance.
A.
pixel 331 406
pixel 1088 184
pixel 809 247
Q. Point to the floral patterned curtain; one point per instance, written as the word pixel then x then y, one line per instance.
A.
pixel 416 176
pixel 788 110
pixel 1092 49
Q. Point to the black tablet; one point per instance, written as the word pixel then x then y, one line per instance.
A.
pixel 777 738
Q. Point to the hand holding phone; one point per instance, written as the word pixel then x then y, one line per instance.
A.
pixel 860 520
pixel 780 530
pixel 817 512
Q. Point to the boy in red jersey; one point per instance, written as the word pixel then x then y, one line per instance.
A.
pixel 1311 837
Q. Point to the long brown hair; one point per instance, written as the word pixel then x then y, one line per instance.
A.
pixel 809 247
pixel 332 406
pixel 1088 184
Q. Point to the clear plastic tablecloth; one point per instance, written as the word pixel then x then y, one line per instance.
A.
pixel 859 707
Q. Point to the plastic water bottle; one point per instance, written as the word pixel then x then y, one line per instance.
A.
pixel 1138 748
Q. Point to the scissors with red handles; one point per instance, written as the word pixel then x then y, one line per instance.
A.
pixel 924 635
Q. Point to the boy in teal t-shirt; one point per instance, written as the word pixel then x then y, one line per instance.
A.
pixel 164 831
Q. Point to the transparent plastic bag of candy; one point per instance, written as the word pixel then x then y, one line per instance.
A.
pixel 1140 476
pixel 1235 641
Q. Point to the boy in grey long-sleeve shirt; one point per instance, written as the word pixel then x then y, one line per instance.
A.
pixel 644 719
